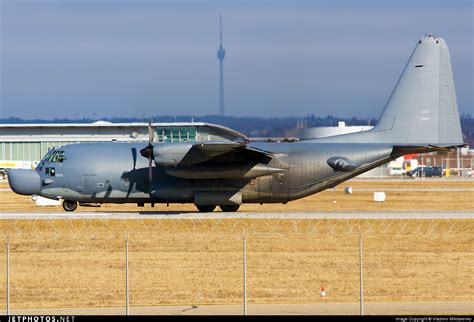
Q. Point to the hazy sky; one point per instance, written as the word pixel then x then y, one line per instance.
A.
pixel 74 58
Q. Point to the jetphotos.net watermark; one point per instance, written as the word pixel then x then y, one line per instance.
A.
pixel 40 318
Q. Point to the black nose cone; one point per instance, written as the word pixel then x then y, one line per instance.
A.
pixel 24 181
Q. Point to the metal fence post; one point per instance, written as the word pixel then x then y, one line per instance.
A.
pixel 127 298
pixel 361 276
pixel 8 275
pixel 245 272
pixel 458 164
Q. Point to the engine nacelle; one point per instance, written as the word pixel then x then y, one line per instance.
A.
pixel 170 154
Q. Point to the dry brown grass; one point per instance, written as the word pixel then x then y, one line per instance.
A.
pixel 324 201
pixel 80 263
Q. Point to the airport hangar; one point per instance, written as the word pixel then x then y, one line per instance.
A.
pixel 24 145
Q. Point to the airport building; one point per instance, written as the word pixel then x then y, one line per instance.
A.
pixel 23 145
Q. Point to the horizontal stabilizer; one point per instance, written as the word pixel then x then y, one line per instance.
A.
pixel 410 149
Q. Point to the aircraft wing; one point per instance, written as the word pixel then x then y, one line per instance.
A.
pixel 217 147
pixel 186 154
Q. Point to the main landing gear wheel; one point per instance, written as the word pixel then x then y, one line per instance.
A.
pixel 206 208
pixel 69 205
pixel 231 208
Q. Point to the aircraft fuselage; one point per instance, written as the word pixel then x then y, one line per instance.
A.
pixel 117 173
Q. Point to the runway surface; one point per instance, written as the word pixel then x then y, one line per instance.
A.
pixel 386 308
pixel 243 215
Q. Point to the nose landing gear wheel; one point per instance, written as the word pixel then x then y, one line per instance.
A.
pixel 205 208
pixel 69 205
pixel 232 208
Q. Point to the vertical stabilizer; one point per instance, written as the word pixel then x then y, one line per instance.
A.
pixel 422 108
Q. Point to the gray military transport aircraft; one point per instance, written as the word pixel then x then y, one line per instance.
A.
pixel 420 116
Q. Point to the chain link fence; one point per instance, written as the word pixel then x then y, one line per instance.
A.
pixel 82 263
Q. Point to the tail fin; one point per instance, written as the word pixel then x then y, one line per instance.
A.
pixel 422 108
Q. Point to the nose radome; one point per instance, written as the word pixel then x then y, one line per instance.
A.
pixel 24 181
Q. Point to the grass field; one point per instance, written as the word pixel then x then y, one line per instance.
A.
pixel 80 263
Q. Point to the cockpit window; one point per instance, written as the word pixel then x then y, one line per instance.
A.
pixel 61 156
pixel 47 156
pixel 55 156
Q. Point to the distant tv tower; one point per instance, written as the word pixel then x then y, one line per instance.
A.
pixel 221 56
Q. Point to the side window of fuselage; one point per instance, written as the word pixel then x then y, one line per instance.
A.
pixel 50 171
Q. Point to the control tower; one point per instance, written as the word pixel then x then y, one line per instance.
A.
pixel 221 56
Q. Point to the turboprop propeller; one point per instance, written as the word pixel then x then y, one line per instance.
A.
pixel 147 152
